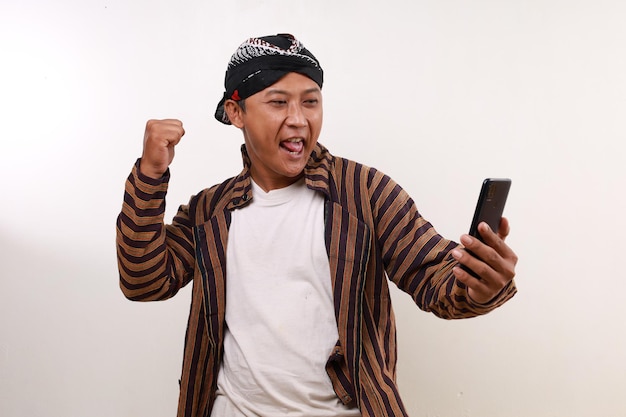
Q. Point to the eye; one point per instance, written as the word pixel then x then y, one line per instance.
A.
pixel 278 102
pixel 311 102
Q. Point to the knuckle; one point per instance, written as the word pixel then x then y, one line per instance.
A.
pixel 481 270
pixel 510 272
pixel 498 243
pixel 152 127
pixel 492 257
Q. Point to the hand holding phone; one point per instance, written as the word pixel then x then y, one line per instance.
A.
pixel 489 208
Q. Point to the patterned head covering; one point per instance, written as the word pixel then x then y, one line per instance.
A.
pixel 260 62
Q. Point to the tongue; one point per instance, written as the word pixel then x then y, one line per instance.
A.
pixel 293 146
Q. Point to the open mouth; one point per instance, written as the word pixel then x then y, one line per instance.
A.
pixel 293 145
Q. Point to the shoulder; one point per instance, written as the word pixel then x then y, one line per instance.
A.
pixel 217 197
pixel 362 188
pixel 343 171
pixel 356 176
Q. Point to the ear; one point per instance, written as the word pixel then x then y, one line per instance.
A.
pixel 234 112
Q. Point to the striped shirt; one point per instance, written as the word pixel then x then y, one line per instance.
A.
pixel 373 234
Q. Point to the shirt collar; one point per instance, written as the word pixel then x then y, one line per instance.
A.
pixel 316 175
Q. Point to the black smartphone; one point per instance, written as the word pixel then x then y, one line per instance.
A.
pixel 490 205
pixel 489 208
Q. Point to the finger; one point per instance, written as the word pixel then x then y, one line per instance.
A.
pixel 485 283
pixel 465 277
pixel 480 269
pixel 169 130
pixel 489 262
pixel 160 139
pixel 477 289
pixel 173 122
pixel 504 228
pixel 175 128
pixel 491 240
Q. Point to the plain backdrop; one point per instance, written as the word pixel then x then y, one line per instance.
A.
pixel 438 94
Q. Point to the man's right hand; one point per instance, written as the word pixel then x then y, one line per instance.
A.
pixel 159 140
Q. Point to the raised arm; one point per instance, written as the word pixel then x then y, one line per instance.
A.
pixel 154 260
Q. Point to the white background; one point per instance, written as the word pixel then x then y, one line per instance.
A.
pixel 436 93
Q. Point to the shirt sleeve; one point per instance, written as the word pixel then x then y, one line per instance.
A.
pixel 418 260
pixel 154 260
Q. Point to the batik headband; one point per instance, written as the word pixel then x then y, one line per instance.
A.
pixel 260 62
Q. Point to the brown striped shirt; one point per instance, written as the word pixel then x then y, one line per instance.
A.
pixel 373 234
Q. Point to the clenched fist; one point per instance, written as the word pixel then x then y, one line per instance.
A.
pixel 158 146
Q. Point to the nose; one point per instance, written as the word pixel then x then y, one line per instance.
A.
pixel 295 115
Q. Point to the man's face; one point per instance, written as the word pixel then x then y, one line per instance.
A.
pixel 281 125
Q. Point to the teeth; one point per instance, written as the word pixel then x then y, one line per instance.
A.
pixel 294 140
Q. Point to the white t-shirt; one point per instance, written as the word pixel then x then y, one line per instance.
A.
pixel 280 317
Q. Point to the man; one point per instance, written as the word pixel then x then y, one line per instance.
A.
pixel 290 259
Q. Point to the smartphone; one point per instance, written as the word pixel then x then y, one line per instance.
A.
pixel 489 208
pixel 490 205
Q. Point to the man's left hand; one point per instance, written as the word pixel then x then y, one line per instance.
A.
pixel 493 261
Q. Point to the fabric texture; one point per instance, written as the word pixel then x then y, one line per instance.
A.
pixel 373 233
pixel 260 62
pixel 279 304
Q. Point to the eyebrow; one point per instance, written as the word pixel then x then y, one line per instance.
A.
pixel 307 91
